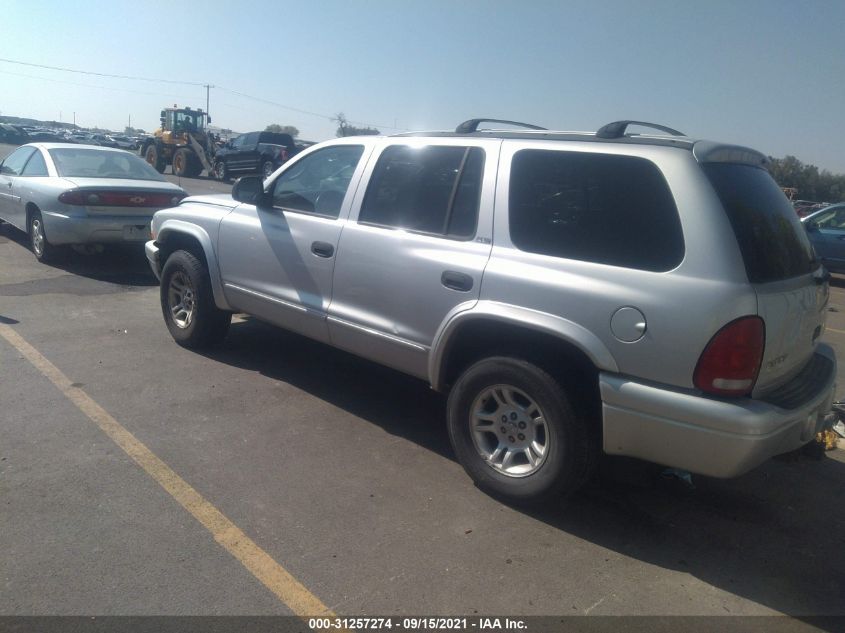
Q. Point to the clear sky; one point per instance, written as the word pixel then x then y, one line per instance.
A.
pixel 769 74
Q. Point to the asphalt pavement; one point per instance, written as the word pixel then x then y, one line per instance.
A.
pixel 340 471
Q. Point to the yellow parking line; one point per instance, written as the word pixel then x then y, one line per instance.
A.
pixel 259 563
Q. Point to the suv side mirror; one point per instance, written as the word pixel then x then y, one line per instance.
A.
pixel 250 189
pixel 811 226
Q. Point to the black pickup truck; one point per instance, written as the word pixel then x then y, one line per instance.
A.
pixel 253 152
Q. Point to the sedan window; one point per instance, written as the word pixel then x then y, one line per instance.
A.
pixel 13 165
pixel 99 163
pixel 36 166
pixel 833 219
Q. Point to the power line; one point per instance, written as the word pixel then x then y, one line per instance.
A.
pixel 76 83
pixel 91 72
pixel 308 112
pixel 190 83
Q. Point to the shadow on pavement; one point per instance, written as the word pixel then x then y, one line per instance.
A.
pixel 775 536
pixel 123 265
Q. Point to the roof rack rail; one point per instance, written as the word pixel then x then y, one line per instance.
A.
pixel 617 129
pixel 468 127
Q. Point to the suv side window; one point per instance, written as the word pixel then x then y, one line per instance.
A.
pixel 318 183
pixel 13 165
pixel 431 189
pixel 35 166
pixel 600 208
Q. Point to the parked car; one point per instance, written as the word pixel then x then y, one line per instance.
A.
pixel 79 194
pixel 826 230
pixel 124 142
pixel 805 207
pixel 13 135
pixel 572 293
pixel 254 152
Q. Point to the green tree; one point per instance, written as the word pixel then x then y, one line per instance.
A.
pixel 810 183
pixel 345 129
pixel 282 129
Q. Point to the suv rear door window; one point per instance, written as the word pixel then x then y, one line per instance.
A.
pixel 600 208
pixel 432 189
pixel 771 239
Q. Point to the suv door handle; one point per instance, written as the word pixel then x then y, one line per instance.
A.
pixel 456 281
pixel 322 249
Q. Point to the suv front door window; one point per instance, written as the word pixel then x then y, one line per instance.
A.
pixel 318 183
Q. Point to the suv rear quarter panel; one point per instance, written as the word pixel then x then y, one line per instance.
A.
pixel 683 307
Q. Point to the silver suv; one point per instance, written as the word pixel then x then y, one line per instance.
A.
pixel 643 295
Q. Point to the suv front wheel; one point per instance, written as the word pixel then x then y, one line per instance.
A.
pixel 188 305
pixel 516 433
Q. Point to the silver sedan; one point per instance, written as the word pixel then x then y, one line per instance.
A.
pixel 81 194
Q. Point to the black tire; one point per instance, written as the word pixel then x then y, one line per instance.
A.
pixel 194 165
pixel 221 172
pixel 38 242
pixel 154 158
pixel 267 169
pixel 206 324
pixel 570 450
pixel 182 162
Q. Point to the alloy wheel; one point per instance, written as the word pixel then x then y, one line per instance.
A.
pixel 181 300
pixel 509 431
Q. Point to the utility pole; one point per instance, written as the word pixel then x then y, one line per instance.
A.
pixel 74 119
pixel 208 87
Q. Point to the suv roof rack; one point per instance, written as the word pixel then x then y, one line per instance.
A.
pixel 470 126
pixel 617 129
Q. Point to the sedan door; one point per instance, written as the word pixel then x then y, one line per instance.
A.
pixel 277 263
pixel 11 168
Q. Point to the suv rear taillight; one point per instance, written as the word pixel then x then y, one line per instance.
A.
pixel 730 363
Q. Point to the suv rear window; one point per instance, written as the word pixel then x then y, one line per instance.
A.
pixel 773 243
pixel 600 208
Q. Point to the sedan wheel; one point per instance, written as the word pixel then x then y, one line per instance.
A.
pixel 41 247
pixel 37 237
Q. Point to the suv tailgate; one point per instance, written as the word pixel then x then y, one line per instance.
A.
pixel 792 289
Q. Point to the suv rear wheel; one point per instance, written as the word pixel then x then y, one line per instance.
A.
pixel 516 433
pixel 187 303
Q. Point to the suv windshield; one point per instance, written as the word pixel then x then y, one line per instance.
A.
pixel 773 243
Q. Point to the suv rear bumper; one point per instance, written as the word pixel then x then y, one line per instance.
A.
pixel 708 436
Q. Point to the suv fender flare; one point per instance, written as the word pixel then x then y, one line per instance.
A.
pixel 543 322
pixel 172 228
